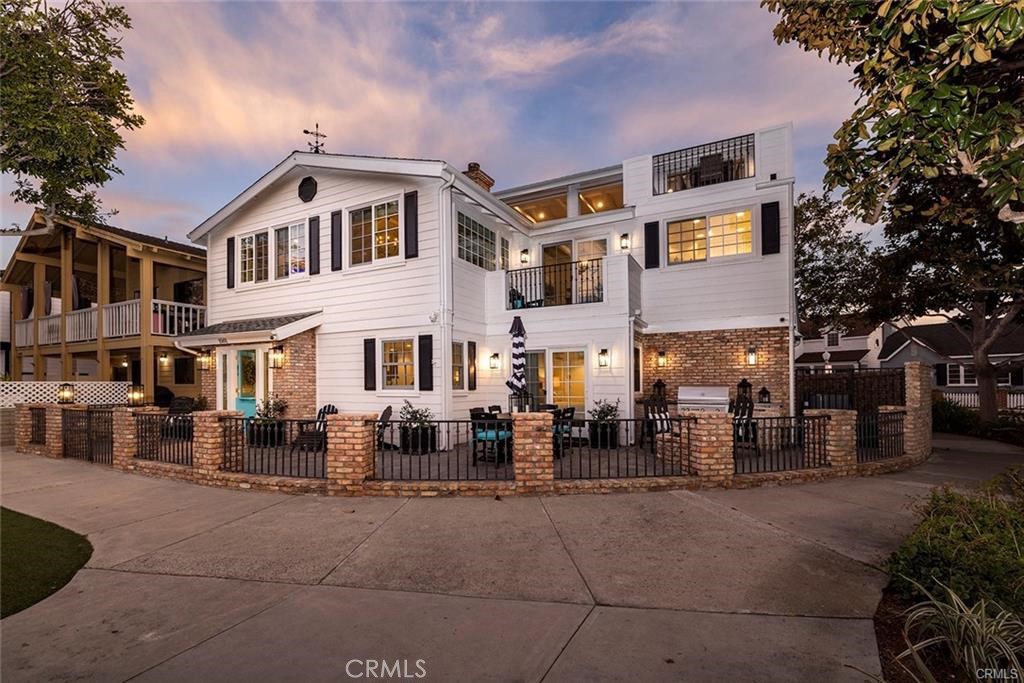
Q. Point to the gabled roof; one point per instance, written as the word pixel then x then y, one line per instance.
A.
pixel 945 340
pixel 429 168
pixel 252 329
pixel 848 327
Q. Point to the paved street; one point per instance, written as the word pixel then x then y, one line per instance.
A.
pixel 194 583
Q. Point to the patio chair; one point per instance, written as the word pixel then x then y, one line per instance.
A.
pixel 382 423
pixel 516 299
pixel 178 423
pixel 744 427
pixel 312 434
pixel 656 419
pixel 561 421
pixel 712 169
pixel 490 431
pixel 494 409
pixel 547 407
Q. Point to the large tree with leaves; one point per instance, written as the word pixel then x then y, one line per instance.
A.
pixel 941 87
pixel 63 102
pixel 830 262
pixel 951 253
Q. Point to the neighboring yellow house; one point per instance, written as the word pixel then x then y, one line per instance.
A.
pixel 95 302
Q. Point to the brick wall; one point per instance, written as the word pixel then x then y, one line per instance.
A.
pixel 719 357
pixel 295 382
pixel 208 383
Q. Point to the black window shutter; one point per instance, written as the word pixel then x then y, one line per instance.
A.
pixel 336 240
pixel 770 243
pixel 370 364
pixel 941 375
pixel 471 365
pixel 231 263
pixel 314 245
pixel 652 244
pixel 412 225
pixel 426 369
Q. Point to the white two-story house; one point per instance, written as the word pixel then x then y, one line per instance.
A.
pixel 365 281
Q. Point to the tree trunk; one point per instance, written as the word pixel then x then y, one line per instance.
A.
pixel 986 375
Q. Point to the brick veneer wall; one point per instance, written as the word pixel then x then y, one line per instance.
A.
pixel 208 383
pixel 295 381
pixel 719 357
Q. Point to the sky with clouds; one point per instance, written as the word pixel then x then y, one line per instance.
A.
pixel 529 90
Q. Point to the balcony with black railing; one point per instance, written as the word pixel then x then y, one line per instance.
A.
pixel 708 164
pixel 561 284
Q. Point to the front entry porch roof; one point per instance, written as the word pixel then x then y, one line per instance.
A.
pixel 252 330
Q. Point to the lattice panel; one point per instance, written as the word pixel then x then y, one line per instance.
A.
pixel 12 393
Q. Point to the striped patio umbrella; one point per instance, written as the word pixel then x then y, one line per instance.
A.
pixel 517 382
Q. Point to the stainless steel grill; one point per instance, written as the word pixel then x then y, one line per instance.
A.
pixel 703 398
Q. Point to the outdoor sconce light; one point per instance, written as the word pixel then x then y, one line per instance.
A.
pixel 524 256
pixel 203 359
pixel 624 241
pixel 124 363
pixel 164 358
pixel 662 359
pixel 66 393
pixel 764 396
pixel 751 355
pixel 136 394
pixel 828 366
pixel 276 357
pixel 495 361
pixel 602 358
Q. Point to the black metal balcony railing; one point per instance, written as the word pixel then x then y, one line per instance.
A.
pixel 707 164
pixel 562 284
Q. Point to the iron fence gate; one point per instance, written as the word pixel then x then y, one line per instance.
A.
pixel 88 434
pixel 879 436
pixel 862 390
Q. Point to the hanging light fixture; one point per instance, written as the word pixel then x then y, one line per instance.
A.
pixel 276 357
pixel 136 395
pixel 66 393
pixel 602 358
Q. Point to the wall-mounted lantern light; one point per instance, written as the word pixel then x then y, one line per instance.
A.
pixel 624 241
pixel 826 357
pixel 164 358
pixel 751 355
pixel 124 363
pixel 602 358
pixel 66 393
pixel 276 357
pixel 495 361
pixel 203 359
pixel 136 395
pixel 524 256
pixel 662 359
pixel 764 396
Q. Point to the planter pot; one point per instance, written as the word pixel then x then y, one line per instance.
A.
pixel 604 434
pixel 417 440
pixel 266 433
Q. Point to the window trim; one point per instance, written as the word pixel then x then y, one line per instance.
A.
pixel 303 230
pixel 346 232
pixel 755 241
pixel 415 365
pixel 463 366
pixel 270 257
pixel 1001 380
pixel 828 339
pixel 496 241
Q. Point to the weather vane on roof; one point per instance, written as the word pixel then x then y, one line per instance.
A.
pixel 316 147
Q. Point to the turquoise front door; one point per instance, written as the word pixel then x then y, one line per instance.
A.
pixel 245 397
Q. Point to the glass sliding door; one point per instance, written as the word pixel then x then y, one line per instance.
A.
pixel 536 377
pixel 558 275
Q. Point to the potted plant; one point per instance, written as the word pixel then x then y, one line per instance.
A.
pixel 267 429
pixel 603 424
pixel 417 432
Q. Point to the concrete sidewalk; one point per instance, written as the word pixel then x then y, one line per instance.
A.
pixel 194 583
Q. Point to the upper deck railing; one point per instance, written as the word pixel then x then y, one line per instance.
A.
pixel 707 164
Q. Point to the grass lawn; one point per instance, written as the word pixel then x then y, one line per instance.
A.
pixel 36 559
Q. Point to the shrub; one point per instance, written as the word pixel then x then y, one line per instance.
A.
pixel 971 542
pixel 953 418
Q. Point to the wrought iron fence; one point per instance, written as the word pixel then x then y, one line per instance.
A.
pixel 707 164
pixel 879 435
pixel 164 438
pixel 37 417
pixel 616 449
pixel 281 448
pixel 861 390
pixel 561 284
pixel 88 434
pixel 443 450
pixel 777 444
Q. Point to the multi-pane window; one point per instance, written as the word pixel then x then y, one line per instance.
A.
pixel 504 254
pixel 832 339
pixel 476 243
pixel 698 239
pixel 290 251
pixel 964 375
pixel 591 249
pixel 568 383
pixel 253 257
pixel 458 366
pixel 398 364
pixel 374 232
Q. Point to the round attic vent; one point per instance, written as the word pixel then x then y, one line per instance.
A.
pixel 307 188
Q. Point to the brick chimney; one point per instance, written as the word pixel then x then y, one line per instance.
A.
pixel 477 175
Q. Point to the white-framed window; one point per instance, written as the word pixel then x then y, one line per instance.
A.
pixel 398 364
pixel 707 237
pixel 253 257
pixel 289 251
pixel 458 365
pixel 476 243
pixel 591 249
pixel 963 375
pixel 832 339
pixel 374 232
pixel 504 254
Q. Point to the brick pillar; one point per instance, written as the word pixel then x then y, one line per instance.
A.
pixel 54 435
pixel 208 440
pixel 125 438
pixel 533 452
pixel 350 450
pixel 840 438
pixel 711 446
pixel 918 423
pixel 22 428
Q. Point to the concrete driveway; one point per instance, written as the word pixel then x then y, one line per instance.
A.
pixel 193 583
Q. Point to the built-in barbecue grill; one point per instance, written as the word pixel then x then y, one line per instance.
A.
pixel 703 398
